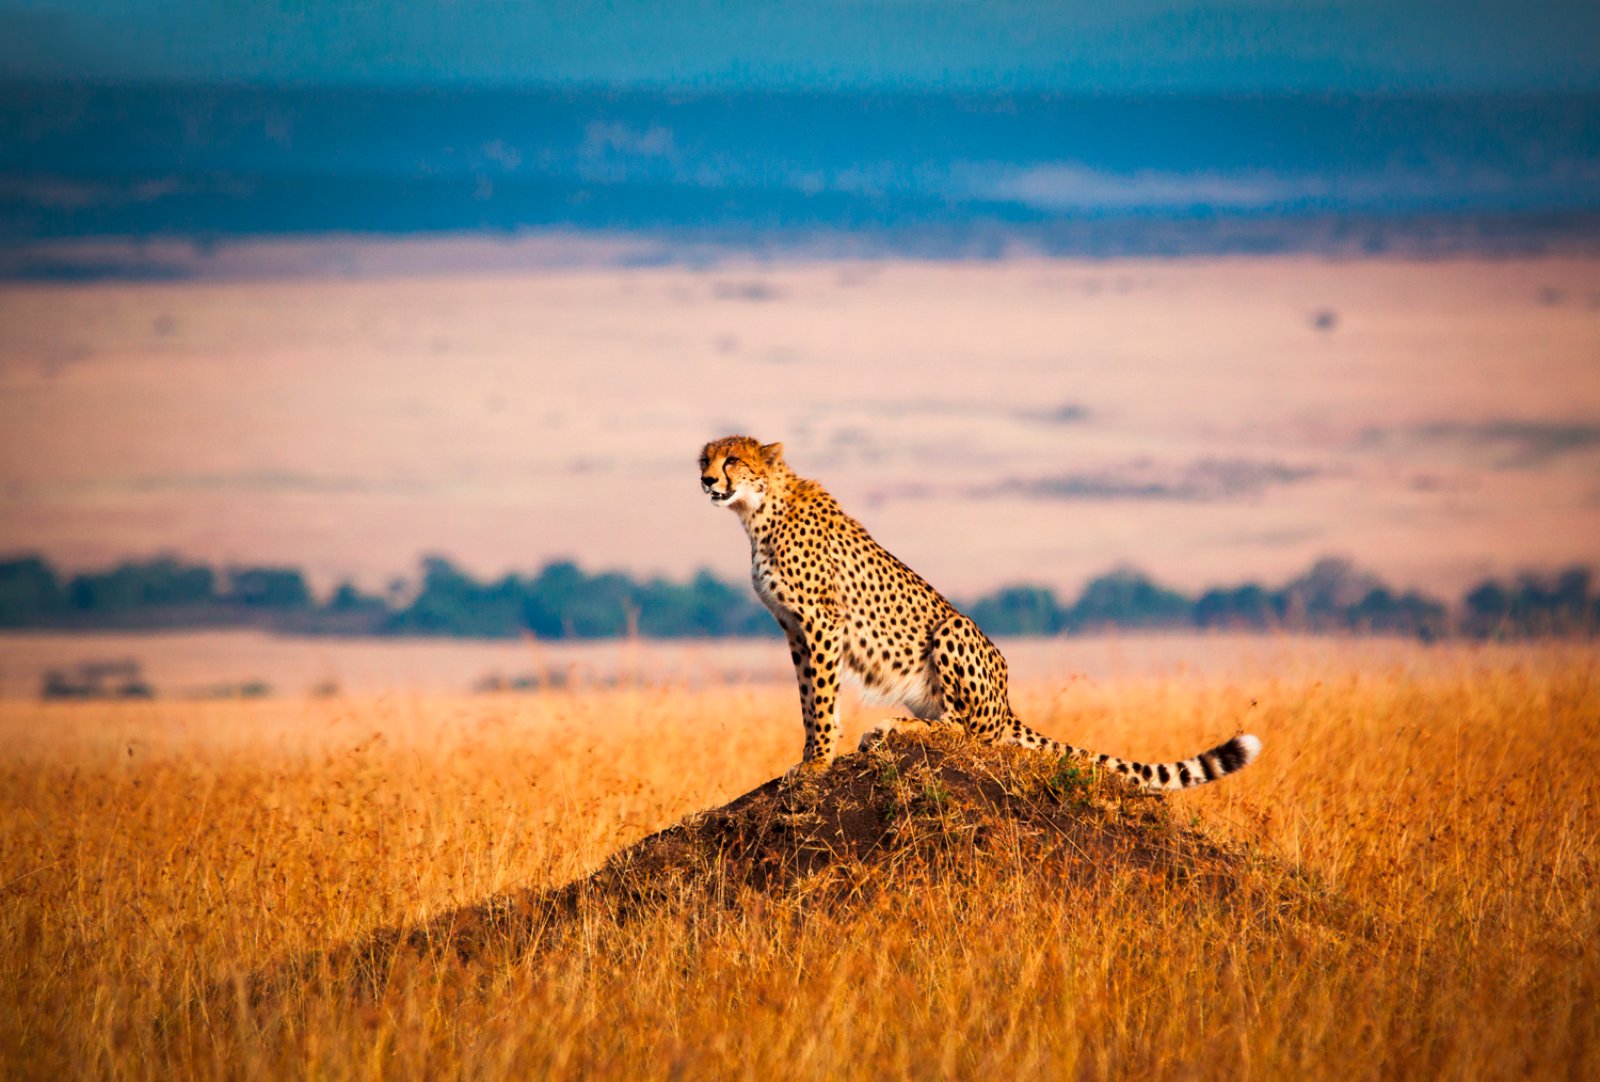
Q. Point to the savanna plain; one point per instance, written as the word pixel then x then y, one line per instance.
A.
pixel 1404 885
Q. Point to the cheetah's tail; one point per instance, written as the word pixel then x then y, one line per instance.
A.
pixel 1224 759
pixel 1220 761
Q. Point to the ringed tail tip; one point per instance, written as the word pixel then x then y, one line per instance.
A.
pixel 1250 744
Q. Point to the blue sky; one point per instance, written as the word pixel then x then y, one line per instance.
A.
pixel 1066 45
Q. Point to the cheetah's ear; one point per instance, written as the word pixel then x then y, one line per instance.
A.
pixel 772 452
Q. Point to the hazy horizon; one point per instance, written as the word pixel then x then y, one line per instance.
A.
pixel 947 174
pixel 1026 419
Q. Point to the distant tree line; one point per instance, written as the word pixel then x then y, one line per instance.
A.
pixel 1333 595
pixel 562 601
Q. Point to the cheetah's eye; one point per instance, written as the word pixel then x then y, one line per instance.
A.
pixel 732 461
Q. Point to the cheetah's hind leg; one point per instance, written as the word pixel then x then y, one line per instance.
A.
pixel 875 735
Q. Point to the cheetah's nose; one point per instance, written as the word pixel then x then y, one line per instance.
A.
pixel 708 481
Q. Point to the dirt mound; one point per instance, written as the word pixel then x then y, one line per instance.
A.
pixel 913 811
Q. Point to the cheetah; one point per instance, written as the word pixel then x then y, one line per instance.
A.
pixel 849 607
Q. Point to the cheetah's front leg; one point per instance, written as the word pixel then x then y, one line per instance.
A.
pixel 816 647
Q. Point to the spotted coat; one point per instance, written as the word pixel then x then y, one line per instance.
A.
pixel 847 605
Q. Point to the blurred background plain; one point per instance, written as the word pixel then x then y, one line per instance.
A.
pixel 411 318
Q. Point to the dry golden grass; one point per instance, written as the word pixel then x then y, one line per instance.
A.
pixel 153 854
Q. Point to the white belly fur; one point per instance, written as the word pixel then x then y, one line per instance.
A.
pixel 914 690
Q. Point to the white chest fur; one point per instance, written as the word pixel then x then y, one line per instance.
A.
pixel 768 581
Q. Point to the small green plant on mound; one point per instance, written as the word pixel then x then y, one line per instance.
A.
pixel 1070 782
pixel 907 795
pixel 934 795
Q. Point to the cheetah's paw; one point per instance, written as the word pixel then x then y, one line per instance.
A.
pixel 873 737
pixel 803 769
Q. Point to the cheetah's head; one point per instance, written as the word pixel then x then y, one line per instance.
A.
pixel 737 471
